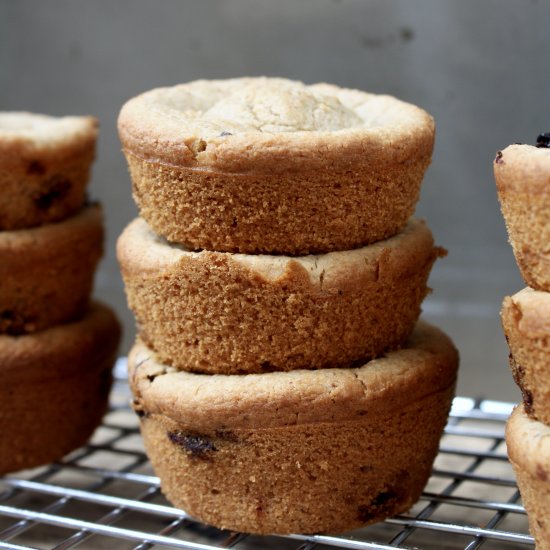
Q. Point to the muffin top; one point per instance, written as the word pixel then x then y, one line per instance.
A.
pixel 62 350
pixel 426 364
pixel 528 443
pixel 270 122
pixel 522 167
pixel 140 250
pixel 531 312
pixel 31 249
pixel 24 133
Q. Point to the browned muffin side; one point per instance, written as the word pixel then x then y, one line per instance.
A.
pixel 54 387
pixel 528 443
pixel 526 322
pixel 47 272
pixel 301 451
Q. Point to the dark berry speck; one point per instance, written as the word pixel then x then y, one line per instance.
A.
pixel 55 190
pixel 384 497
pixel 197 445
pixel 36 167
pixel 543 140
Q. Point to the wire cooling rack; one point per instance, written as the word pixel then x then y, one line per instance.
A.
pixel 105 496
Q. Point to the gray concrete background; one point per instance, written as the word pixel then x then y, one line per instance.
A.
pixel 479 67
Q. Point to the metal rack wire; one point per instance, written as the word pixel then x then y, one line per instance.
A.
pixel 105 495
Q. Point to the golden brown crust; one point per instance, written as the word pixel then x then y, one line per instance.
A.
pixel 55 386
pixel 301 214
pixel 310 170
pixel 47 272
pixel 522 174
pixel 526 322
pixel 528 443
pixel 301 451
pixel 227 313
pixel 44 167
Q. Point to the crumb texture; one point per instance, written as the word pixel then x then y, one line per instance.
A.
pixel 234 313
pixel 277 213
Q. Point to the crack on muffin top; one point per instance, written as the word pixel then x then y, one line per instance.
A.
pixel 275 106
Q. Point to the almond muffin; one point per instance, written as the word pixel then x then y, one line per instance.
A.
pixel 225 313
pixel 269 165
pixel 526 322
pixel 528 443
pixel 44 167
pixel 304 451
pixel 47 272
pixel 54 387
pixel 522 174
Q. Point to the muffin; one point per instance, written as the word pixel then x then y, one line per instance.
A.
pixel 522 174
pixel 526 322
pixel 54 387
pixel 47 272
pixel 268 165
pixel 225 313
pixel 44 167
pixel 528 443
pixel 304 451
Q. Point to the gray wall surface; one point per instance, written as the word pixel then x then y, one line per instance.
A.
pixel 479 67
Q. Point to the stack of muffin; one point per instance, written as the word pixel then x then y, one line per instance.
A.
pixel 276 282
pixel 56 349
pixel 522 174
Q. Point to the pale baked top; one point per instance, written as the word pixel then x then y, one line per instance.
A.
pixel 427 363
pixel 28 132
pixel 211 123
pixel 523 168
pixel 140 250
pixel 531 312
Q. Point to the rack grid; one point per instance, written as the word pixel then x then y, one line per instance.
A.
pixel 106 496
